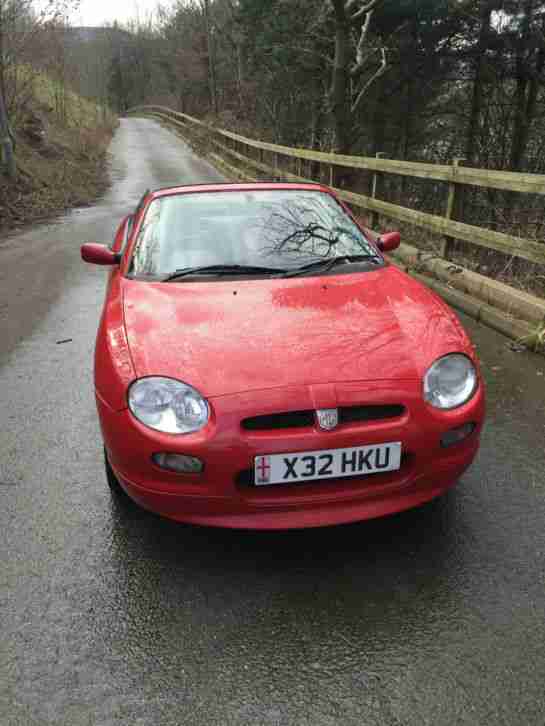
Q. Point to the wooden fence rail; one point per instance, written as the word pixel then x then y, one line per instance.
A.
pixel 457 176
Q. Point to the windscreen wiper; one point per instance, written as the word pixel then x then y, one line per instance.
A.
pixel 327 265
pixel 223 270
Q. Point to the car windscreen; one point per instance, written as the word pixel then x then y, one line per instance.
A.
pixel 283 229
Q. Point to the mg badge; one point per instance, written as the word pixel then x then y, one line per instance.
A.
pixel 328 418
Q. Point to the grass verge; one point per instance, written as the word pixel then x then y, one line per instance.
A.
pixel 61 157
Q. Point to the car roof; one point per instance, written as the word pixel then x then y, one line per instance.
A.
pixel 232 187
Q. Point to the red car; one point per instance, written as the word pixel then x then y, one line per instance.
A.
pixel 260 365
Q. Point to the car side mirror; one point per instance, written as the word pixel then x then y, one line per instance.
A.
pixel 99 254
pixel 389 241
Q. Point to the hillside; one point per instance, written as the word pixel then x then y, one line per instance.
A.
pixel 61 156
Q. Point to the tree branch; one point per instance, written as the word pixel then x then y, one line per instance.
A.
pixel 380 72
pixel 367 8
pixel 361 41
pixel 358 67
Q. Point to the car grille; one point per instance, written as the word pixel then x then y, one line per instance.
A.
pixel 273 421
pixel 305 419
pixel 349 414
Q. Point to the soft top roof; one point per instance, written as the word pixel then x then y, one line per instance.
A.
pixel 231 187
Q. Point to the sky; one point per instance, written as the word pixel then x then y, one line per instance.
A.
pixel 98 12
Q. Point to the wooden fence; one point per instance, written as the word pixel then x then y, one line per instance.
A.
pixel 264 158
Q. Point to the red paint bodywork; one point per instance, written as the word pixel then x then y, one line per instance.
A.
pixel 98 254
pixel 389 241
pixel 254 347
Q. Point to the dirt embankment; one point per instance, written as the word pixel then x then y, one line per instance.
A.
pixel 59 166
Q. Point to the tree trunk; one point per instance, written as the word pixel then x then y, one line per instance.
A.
pixel 412 63
pixel 526 94
pixel 477 100
pixel 528 83
pixel 340 108
pixel 211 58
pixel 240 74
pixel 535 84
pixel 5 141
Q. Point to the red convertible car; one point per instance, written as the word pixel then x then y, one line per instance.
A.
pixel 259 364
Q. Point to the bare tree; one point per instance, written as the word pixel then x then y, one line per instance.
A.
pixel 529 67
pixel 353 73
pixel 480 62
pixel 211 55
pixel 22 26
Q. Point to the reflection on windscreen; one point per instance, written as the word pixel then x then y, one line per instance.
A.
pixel 280 229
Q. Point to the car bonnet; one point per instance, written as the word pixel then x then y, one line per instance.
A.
pixel 225 337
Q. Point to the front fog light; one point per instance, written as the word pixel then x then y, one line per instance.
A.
pixel 179 463
pixel 456 436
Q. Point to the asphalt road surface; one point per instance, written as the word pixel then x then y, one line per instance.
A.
pixel 110 615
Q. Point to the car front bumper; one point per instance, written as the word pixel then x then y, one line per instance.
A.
pixel 224 495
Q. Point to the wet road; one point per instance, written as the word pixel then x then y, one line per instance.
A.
pixel 110 615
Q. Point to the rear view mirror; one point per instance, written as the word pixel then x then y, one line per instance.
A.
pixel 389 241
pixel 99 254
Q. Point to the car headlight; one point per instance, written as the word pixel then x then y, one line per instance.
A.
pixel 450 382
pixel 168 405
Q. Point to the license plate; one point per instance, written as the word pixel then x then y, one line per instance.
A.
pixel 326 464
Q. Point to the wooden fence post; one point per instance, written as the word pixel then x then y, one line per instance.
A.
pixel 452 209
pixel 374 189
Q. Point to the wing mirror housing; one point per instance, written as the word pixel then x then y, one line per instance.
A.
pixel 389 241
pixel 99 254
